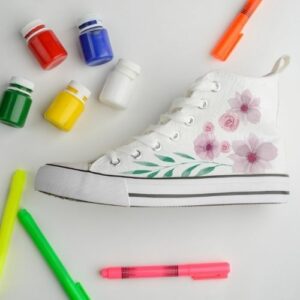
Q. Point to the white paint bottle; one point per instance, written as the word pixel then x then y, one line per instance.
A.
pixel 119 84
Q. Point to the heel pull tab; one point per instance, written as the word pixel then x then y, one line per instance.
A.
pixel 280 65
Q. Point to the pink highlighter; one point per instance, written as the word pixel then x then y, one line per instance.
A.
pixel 202 271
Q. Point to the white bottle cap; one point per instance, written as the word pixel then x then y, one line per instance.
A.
pixel 82 91
pixel 131 69
pixel 22 82
pixel 30 26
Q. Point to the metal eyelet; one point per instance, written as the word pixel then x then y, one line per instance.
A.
pixel 218 86
pixel 190 121
pixel 175 136
pixel 204 104
pixel 115 163
pixel 157 147
pixel 137 154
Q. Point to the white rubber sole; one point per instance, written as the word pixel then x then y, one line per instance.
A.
pixel 82 185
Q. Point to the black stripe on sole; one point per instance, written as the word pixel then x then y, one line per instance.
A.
pixel 165 206
pixel 136 195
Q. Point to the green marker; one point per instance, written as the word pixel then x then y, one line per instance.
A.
pixel 74 290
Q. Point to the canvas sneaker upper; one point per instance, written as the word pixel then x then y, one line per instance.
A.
pixel 225 124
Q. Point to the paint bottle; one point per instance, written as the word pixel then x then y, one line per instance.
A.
pixel 16 102
pixel 119 84
pixel 67 106
pixel 94 41
pixel 44 44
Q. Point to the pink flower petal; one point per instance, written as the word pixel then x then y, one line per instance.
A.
pixel 210 155
pixel 202 154
pixel 235 103
pixel 241 115
pixel 255 102
pixel 240 148
pixel 253 142
pixel 201 140
pixel 201 143
pixel 253 115
pixel 240 164
pixel 259 166
pixel 246 96
pixel 267 151
pixel 199 150
pixel 216 149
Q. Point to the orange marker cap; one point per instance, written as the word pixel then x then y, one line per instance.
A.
pixel 233 34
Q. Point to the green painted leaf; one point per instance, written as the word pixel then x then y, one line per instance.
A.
pixel 169 173
pixel 205 171
pixel 165 158
pixel 153 174
pixel 184 155
pixel 146 163
pixel 188 171
pixel 138 172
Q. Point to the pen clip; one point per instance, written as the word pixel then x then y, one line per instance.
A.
pixel 209 275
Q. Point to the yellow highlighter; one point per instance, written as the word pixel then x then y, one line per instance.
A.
pixel 9 215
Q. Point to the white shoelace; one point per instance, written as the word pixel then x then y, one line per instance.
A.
pixel 179 113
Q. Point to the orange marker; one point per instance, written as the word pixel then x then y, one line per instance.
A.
pixel 233 34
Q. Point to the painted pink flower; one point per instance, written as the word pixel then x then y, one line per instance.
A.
pixel 246 106
pixel 208 127
pixel 229 121
pixel 225 147
pixel 206 146
pixel 252 156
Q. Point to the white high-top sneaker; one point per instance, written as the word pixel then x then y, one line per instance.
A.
pixel 217 145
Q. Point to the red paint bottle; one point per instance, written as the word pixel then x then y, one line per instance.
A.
pixel 44 44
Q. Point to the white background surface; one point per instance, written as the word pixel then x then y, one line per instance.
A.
pixel 171 40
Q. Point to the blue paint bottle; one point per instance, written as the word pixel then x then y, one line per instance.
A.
pixel 94 41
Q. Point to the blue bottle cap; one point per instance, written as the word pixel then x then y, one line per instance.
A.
pixel 89 21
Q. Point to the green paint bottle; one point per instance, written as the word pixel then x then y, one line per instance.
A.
pixel 16 102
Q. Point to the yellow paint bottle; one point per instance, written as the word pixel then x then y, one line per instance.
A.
pixel 67 106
